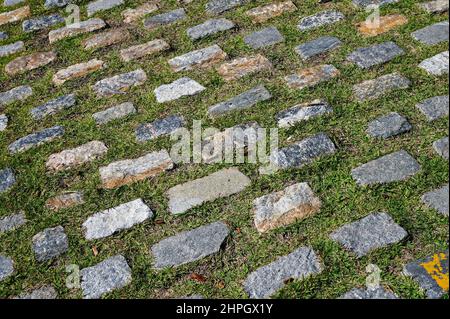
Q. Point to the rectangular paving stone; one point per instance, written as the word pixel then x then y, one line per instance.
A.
pixel 119 84
pixel 114 113
pixel 388 125
pixel 189 246
pixel 220 6
pixel 107 276
pixel 397 166
pixel 267 280
pixel 367 293
pixel 101 5
pixel 264 38
pixel 50 243
pixel 8 3
pixel 434 107
pixel 436 65
pixel 302 112
pixel 209 27
pixel 36 139
pixel 437 199
pixel 42 23
pixel 177 89
pixel 64 201
pixel 373 89
pixel 105 39
pixel 374 231
pixel 312 76
pixel 76 29
pixel 267 12
pixel 129 171
pixel 220 184
pixel 165 19
pixel 7 179
pixel 320 19
pixel 77 71
pixel 3 122
pixel 6 267
pixel 131 15
pixel 9 49
pixel 44 292
pixel 317 46
pixel 431 274
pixel 14 15
pixel 433 34
pixel 80 155
pixel 285 207
pixel 441 147
pixel 365 3
pixel 241 67
pixel 164 126
pixel 376 54
pixel 11 222
pixel 54 106
pixel 113 220
pixel 202 58
pixel 385 24
pixel 242 101
pixel 436 6
pixel 29 62
pixel 57 3
pixel 141 50
pixel 19 93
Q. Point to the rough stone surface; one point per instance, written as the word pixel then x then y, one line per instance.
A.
pixel 267 12
pixel 365 3
pixel 431 274
pixel 106 39
pixel 317 46
pixel 222 183
pixel 388 125
pixel 133 15
pixel 241 67
pixel 14 15
pixel 374 231
pixel 57 3
pixel 189 246
pixel 375 54
pixel 436 6
pixel 441 147
pixel 303 112
pixel 142 50
pixel 397 166
pixel 120 83
pixel 378 293
pixel 110 221
pixel 77 71
pixel 165 126
pixel 202 58
pixel 436 65
pixel 267 280
pixel 45 292
pixel 434 107
pixel 114 113
pixel 311 76
pixel 53 106
pixel 264 38
pixel 433 34
pixel 111 274
pixel 165 19
pixel 101 5
pixel 285 207
pixel 12 222
pixel 220 6
pixel 50 243
pixel 320 19
pixel 6 267
pixel 66 200
pixel 36 139
pixel 129 171
pixel 3 36
pixel 385 24
pixel 42 23
pixel 437 199
pixel 7 179
pixel 3 122
pixel 209 27
pixel 177 89
pixel 242 101
pixel 74 30
pixel 372 89
pixel 29 62
pixel 19 93
pixel 9 49
pixel 8 3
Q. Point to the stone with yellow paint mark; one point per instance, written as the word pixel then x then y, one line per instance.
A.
pixel 385 24
pixel 431 274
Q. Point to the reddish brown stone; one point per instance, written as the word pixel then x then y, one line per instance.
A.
pixel 15 15
pixel 29 62
pixel 385 24
pixel 241 67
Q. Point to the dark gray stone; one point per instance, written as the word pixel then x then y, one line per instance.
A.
pixel 397 166
pixel 242 101
pixel 19 93
pixel 434 107
pixel 3 35
pixel 388 125
pixel 11 48
pixel 7 179
pixel 220 6
pixel 441 147
pixel 369 233
pixel 317 46
pixel 433 34
pixel 100 5
pixel 426 279
pixel 320 19
pixel 263 38
pixel 167 125
pixel 187 247
pixel 50 243
pixel 42 23
pixel 6 267
pixel 12 222
pixel 267 280
pixel 375 54
pixel 303 112
pixel 111 274
pixel 57 3
pixel 372 89
pixel 114 113
pixel 45 292
pixel 165 19
pixel 209 27
pixel 437 199
pixel 36 139
pixel 53 106
pixel 378 293
pixel 365 3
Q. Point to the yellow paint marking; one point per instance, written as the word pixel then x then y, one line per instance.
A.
pixel 435 270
